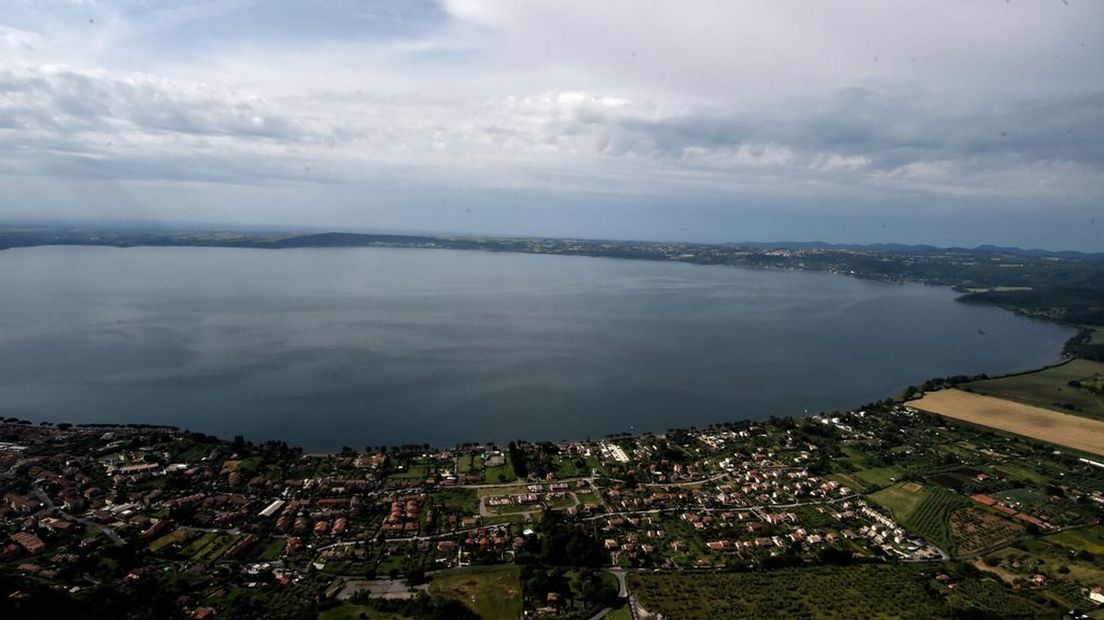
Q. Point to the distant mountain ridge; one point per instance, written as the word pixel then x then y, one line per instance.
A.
pixel 916 248
pixel 1066 286
pixel 14 236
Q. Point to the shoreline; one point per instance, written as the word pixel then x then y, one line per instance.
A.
pixel 899 399
pixel 897 395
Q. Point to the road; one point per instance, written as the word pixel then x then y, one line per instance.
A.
pixel 688 483
pixel 653 511
pixel 112 534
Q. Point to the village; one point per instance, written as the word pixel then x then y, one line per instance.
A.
pixel 89 505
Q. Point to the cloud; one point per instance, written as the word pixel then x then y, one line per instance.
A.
pixel 781 103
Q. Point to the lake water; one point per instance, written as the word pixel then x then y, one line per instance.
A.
pixel 332 347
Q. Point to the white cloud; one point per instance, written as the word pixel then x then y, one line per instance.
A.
pixel 752 101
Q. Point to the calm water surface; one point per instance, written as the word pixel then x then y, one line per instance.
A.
pixel 332 347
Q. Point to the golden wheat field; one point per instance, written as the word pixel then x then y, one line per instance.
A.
pixel 1062 429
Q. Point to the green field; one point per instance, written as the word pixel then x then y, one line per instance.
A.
pixel 567 468
pixel 502 473
pixel 463 500
pixel 1050 388
pixel 417 471
pixel 1022 472
pixel 877 477
pixel 492 592
pixel 348 611
pixel 849 481
pixel 860 591
pixel 466 463
pixel 176 536
pixel 1089 539
pixel 506 518
pixel 200 543
pixel 922 510
pixel 621 613
pixel 902 499
pixel 272 550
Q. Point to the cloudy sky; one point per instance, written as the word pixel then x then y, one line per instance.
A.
pixel 945 122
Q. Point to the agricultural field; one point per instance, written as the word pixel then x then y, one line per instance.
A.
pixel 272 550
pixel 199 544
pixel 901 499
pixel 859 591
pixel 849 481
pixel 462 500
pixel 1090 539
pixel 975 529
pixel 175 537
pixel 518 489
pixel 492 592
pixel 1022 472
pixel 993 599
pixel 924 511
pixel 416 471
pixel 349 611
pixel 1079 433
pixel 516 517
pixel 1050 388
pixel 877 477
pixel 466 463
pixel 933 519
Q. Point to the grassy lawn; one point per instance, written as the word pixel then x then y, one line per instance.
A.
pixel 566 468
pixel 609 579
pixel 464 500
pixel 250 465
pixel 496 491
pixel 856 457
pixel 419 471
pixel 1018 470
pixel 1050 388
pixel 902 499
pixel 214 551
pixel 925 511
pixel 176 536
pixel 849 481
pixel 272 550
pixel 507 518
pixel 469 463
pixel 390 563
pixel 1089 539
pixel 200 543
pixel 621 613
pixel 492 592
pixel 878 476
pixel 348 611
pixel 502 473
pixel 593 464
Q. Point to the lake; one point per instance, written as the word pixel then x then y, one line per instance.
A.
pixel 371 346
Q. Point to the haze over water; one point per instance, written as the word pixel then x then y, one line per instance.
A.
pixel 332 347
